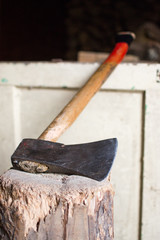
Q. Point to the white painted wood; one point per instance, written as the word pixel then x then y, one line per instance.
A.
pixel 128 76
pixel 31 96
pixel 151 194
pixel 6 127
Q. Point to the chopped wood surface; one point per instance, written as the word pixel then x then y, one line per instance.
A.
pixel 54 206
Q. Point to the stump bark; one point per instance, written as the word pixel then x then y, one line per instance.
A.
pixel 54 207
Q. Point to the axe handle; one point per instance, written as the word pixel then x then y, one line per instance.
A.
pixel 71 111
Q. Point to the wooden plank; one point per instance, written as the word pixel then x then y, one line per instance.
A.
pixel 87 56
pixel 127 76
pixel 151 186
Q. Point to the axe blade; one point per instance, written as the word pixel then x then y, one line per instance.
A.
pixel 93 160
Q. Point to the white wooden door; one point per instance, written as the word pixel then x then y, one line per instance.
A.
pixel 126 107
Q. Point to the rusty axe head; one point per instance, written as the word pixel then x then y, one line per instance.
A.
pixel 93 160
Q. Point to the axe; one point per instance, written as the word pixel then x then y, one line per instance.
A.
pixel 93 160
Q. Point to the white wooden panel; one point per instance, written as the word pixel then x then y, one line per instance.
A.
pixel 151 194
pixel 126 76
pixel 25 112
pixel 6 127
pixel 109 114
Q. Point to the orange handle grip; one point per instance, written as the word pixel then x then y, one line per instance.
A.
pixel 71 111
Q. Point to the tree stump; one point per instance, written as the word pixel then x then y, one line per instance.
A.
pixel 54 207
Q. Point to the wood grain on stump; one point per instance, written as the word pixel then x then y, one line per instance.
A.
pixel 53 206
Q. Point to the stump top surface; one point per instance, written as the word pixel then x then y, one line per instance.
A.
pixel 55 182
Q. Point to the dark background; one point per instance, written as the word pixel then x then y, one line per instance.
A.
pixel 43 30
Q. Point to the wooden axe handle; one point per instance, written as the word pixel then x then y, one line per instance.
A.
pixel 71 111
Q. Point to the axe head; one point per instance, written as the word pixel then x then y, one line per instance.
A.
pixel 93 160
